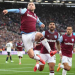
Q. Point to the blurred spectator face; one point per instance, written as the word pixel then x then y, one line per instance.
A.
pixel 69 30
pixel 52 26
pixel 31 6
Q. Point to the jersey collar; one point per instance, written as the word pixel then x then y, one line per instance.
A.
pixel 51 32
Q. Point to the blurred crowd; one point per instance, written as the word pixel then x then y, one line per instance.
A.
pixel 6 36
pixel 10 23
pixel 61 15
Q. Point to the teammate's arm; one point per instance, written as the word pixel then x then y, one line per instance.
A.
pixel 58 44
pixel 21 11
pixel 39 23
pixel 74 48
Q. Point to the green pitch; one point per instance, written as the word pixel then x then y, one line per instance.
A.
pixel 26 68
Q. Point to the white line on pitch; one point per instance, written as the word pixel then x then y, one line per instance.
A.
pixel 30 71
pixel 21 64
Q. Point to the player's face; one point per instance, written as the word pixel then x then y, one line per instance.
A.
pixel 31 6
pixel 52 26
pixel 69 30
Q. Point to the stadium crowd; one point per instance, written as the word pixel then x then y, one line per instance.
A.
pixel 10 23
pixel 6 36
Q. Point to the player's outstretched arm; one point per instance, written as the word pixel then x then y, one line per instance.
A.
pixel 42 25
pixel 39 23
pixel 74 50
pixel 11 10
pixel 21 11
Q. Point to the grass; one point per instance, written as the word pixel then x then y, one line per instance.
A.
pixel 26 68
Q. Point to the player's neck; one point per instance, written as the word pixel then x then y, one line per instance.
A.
pixel 52 31
pixel 32 11
pixel 69 34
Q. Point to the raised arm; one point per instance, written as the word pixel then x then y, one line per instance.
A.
pixel 21 11
pixel 59 40
pixel 39 23
pixel 58 43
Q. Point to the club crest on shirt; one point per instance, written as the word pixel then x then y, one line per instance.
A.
pixel 65 39
pixel 72 40
pixel 55 36
pixel 34 14
pixel 47 35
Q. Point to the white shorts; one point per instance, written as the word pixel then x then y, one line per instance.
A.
pixel 36 52
pixel 28 40
pixel 19 53
pixel 66 59
pixel 47 58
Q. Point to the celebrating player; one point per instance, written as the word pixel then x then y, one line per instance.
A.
pixel 28 30
pixel 19 49
pixel 52 38
pixel 9 46
pixel 67 42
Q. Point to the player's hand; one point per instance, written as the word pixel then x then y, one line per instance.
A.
pixel 74 50
pixel 5 12
pixel 42 25
pixel 60 55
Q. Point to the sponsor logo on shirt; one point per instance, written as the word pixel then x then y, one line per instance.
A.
pixel 47 35
pixel 19 46
pixel 68 43
pixel 51 40
pixel 65 39
pixel 72 40
pixel 31 16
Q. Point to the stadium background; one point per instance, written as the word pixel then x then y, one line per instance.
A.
pixel 62 12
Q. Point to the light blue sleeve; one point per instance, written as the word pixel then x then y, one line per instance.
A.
pixel 39 23
pixel 13 10
pixel 74 34
pixel 22 11
pixel 61 39
pixel 58 37
pixel 43 33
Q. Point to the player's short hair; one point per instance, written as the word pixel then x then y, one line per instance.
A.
pixel 70 26
pixel 52 22
pixel 31 2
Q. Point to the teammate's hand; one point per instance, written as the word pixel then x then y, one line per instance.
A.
pixel 5 12
pixel 74 50
pixel 60 55
pixel 42 25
